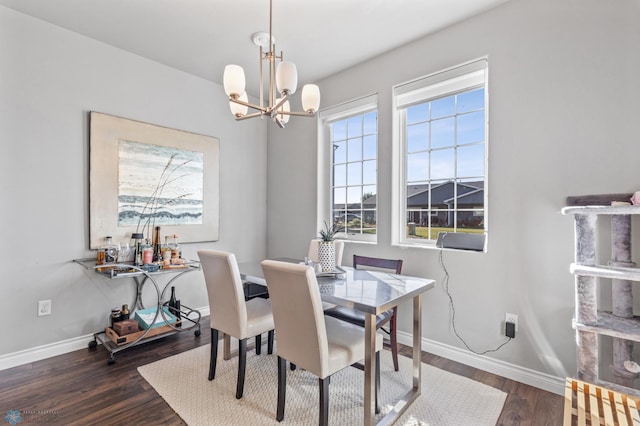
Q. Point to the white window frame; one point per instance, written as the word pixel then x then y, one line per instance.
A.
pixel 326 117
pixel 421 90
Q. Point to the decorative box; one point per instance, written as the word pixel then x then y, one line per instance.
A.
pixel 125 327
pixel 144 317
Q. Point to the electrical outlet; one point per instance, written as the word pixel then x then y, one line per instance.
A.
pixel 44 307
pixel 511 318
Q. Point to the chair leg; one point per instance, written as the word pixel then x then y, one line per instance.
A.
pixel 394 339
pixel 377 374
pixel 282 387
pixel 214 354
pixel 270 342
pixel 258 344
pixel 324 401
pixel 242 366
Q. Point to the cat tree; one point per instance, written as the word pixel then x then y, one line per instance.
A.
pixel 589 321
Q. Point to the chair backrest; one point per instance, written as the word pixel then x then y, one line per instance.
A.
pixel 377 263
pixel 313 251
pixel 297 314
pixel 228 310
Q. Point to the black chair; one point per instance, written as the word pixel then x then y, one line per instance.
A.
pixel 356 317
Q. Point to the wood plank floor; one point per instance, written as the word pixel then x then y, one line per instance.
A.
pixel 80 388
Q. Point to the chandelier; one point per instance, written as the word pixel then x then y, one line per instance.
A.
pixel 283 81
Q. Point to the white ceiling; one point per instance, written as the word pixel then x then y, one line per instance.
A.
pixel 201 36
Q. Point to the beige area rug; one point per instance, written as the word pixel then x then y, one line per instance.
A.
pixel 446 399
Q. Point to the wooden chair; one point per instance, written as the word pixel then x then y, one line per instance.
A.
pixel 318 344
pixel 230 313
pixel 355 317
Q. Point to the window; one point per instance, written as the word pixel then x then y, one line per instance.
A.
pixel 349 147
pixel 441 123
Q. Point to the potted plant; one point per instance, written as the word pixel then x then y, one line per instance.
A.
pixel 327 247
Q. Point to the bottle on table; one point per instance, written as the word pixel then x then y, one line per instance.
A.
pixel 107 253
pixel 110 251
pixel 147 253
pixel 136 244
pixel 124 313
pixel 174 305
pixel 166 251
pixel 157 245
pixel 176 253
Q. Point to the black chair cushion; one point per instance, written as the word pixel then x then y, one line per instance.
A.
pixel 355 317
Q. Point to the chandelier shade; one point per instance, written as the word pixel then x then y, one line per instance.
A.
pixel 287 77
pixel 310 98
pixel 233 80
pixel 282 81
pixel 238 109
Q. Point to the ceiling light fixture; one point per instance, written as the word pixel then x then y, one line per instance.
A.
pixel 282 83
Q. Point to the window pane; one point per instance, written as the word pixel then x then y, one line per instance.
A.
pixel 369 172
pixel 443 107
pixel 371 123
pixel 354 197
pixel 417 167
pixel 471 127
pixel 339 152
pixel 354 126
pixel 369 147
pixel 354 150
pixel 369 198
pixel 354 174
pixel 339 130
pixel 417 113
pixel 340 175
pixel 443 133
pixel 339 197
pixel 471 101
pixel 471 161
pixel 418 137
pixel 442 164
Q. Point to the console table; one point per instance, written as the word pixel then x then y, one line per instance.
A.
pixel 109 339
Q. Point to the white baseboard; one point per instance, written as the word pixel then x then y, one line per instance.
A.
pixel 510 371
pixel 53 349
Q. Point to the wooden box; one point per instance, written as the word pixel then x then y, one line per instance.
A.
pixel 123 340
pixel 126 327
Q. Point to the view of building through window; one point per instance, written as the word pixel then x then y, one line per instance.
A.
pixel 354 165
pixel 445 164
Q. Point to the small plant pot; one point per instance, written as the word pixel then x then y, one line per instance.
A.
pixel 327 255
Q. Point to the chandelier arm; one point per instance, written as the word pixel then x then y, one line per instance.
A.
pixel 244 117
pixel 250 105
pixel 300 114
pixel 274 110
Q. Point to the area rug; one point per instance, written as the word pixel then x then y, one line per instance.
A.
pixel 181 380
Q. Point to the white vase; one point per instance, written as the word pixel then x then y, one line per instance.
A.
pixel 327 255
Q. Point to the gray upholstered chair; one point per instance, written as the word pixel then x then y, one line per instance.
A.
pixel 355 317
pixel 230 313
pixel 321 345
pixel 313 251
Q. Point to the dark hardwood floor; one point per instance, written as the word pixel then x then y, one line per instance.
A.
pixel 80 388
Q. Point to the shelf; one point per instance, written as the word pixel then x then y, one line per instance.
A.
pixel 601 210
pixel 611 325
pixel 615 272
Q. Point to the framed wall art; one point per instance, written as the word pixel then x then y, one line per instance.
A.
pixel 142 175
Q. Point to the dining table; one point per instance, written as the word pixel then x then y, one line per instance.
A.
pixel 371 292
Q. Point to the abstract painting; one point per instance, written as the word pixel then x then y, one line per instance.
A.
pixel 143 175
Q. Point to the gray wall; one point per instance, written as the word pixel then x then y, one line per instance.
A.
pixel 50 79
pixel 564 104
